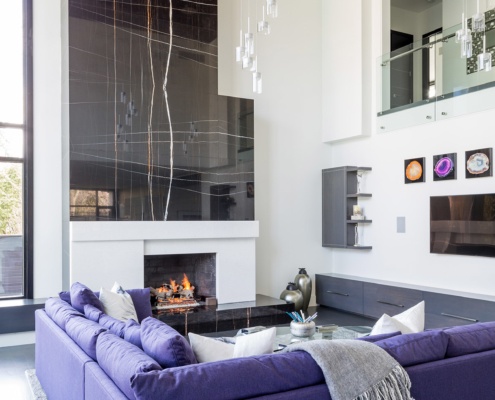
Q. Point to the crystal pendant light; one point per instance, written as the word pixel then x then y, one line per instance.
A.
pixel 467 45
pixel 257 82
pixel 464 37
pixel 484 59
pixel 478 20
pixel 240 50
pixel 245 52
pixel 264 25
pixel 249 43
pixel 272 8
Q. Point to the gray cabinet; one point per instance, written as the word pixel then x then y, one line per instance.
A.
pixel 343 294
pixel 340 193
pixel 373 299
pixel 447 310
pixel 391 300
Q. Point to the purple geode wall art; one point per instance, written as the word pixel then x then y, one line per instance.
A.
pixel 445 167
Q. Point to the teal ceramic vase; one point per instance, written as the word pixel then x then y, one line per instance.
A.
pixel 292 294
pixel 303 283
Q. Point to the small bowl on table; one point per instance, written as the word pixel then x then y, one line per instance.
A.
pixel 302 329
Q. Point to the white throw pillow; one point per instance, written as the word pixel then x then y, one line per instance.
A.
pixel 410 321
pixel 387 324
pixel 413 318
pixel 255 344
pixel 209 349
pixel 117 303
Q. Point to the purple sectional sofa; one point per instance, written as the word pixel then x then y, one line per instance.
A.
pixel 82 353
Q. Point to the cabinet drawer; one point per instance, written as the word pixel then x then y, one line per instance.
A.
pixel 433 321
pixel 391 300
pixel 339 293
pixel 456 310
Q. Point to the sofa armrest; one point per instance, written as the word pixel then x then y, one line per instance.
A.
pixel 59 362
pixel 99 386
pixel 457 378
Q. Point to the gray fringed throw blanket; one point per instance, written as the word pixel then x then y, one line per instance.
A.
pixel 355 369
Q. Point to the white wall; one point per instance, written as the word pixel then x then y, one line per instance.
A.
pixel 405 257
pixel 347 48
pixel 289 153
pixel 49 220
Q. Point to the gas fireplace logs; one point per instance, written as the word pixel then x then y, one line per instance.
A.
pixel 173 295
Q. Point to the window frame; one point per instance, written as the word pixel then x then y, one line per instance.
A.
pixel 28 150
pixel 27 158
pixel 97 207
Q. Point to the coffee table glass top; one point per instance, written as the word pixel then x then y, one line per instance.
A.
pixel 284 337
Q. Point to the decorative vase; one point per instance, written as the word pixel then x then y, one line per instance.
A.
pixel 302 329
pixel 303 283
pixel 292 294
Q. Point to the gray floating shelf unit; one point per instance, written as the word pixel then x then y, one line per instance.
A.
pixel 340 193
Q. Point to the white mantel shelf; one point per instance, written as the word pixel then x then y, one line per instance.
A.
pixel 107 251
pixel 89 231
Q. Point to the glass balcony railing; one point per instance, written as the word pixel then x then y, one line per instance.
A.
pixel 431 71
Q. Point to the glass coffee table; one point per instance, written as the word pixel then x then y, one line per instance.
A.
pixel 284 337
pixel 332 332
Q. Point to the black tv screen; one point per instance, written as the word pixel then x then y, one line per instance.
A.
pixel 463 224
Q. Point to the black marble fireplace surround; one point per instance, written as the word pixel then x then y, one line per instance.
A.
pixel 150 138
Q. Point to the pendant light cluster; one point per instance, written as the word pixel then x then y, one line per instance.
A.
pixel 465 38
pixel 245 53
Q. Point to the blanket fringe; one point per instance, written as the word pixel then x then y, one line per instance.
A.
pixel 395 386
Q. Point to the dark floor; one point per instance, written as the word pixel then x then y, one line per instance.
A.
pixel 15 360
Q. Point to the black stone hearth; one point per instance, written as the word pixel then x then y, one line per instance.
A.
pixel 265 311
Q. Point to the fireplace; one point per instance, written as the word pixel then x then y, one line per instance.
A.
pixel 180 280
pixel 102 253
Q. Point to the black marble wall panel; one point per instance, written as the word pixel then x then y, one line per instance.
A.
pixel 150 138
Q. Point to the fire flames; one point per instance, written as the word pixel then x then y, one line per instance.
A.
pixel 173 292
pixel 175 287
pixel 175 296
pixel 185 283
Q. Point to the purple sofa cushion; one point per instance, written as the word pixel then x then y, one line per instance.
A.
pixel 81 295
pixel 60 312
pixel 132 333
pixel 416 348
pixel 141 300
pixel 84 332
pixel 469 339
pixel 381 336
pixel 121 360
pixel 113 325
pixel 65 296
pixel 235 378
pixel 165 344
pixel 92 313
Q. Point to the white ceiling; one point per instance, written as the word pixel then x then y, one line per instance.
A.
pixel 414 5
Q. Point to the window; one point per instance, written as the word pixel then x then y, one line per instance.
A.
pixel 15 150
pixel 430 64
pixel 91 205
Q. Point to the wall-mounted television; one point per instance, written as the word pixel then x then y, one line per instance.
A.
pixel 463 224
